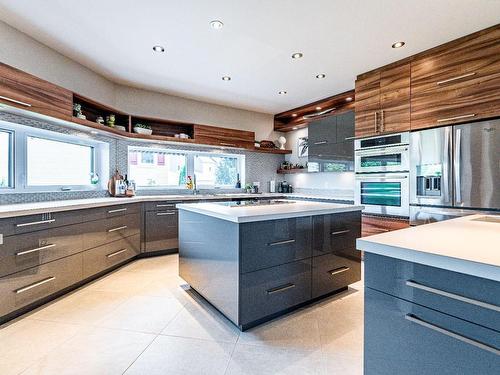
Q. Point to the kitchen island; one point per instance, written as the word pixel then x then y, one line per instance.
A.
pixel 255 261
pixel 432 298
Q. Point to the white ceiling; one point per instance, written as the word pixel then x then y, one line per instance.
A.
pixel 337 37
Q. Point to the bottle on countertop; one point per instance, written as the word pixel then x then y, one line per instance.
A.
pixel 238 182
pixel 189 183
pixel 272 186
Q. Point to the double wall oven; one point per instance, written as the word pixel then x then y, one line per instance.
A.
pixel 382 167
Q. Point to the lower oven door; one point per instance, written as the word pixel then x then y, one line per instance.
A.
pixel 386 193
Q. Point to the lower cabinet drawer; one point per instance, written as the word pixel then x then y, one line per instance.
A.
pixel 274 289
pixel 104 231
pixel 28 286
pixel 106 256
pixel 24 251
pixel 405 338
pixel 32 223
pixel 331 272
pixel 467 297
pixel 336 232
pixel 161 230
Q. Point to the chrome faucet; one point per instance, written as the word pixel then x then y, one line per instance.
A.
pixel 195 188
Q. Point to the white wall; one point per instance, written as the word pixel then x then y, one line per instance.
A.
pixel 23 52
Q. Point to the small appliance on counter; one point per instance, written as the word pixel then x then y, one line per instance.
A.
pixel 285 187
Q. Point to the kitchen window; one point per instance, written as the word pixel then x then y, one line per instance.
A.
pixel 165 168
pixel 6 166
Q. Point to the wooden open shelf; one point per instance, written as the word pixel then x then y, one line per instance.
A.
pixel 292 171
pixel 92 109
pixel 271 150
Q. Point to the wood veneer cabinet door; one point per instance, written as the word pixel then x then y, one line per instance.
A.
pixel 23 90
pixel 395 99
pixel 367 104
pixel 213 135
pixel 457 84
pixel 374 225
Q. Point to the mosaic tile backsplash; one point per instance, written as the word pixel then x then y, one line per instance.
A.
pixel 259 167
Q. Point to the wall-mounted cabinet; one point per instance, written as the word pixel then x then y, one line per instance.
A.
pixel 212 135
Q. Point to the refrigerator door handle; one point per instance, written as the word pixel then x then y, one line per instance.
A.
pixel 456 166
pixel 447 157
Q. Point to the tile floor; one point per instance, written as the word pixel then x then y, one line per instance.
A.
pixel 143 319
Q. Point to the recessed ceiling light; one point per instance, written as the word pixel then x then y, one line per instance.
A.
pixel 158 49
pixel 294 115
pixel 318 108
pixel 348 99
pixel 282 92
pixel 226 78
pixel 216 24
pixel 294 128
pixel 297 55
pixel 398 44
pixel 320 76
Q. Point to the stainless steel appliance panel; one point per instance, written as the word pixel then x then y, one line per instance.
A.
pixel 424 214
pixel 476 165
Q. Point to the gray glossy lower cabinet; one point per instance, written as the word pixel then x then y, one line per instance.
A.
pixel 160 230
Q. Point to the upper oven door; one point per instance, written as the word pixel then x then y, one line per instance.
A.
pixel 387 159
pixel 383 194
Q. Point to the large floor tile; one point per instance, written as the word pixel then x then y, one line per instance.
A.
pixel 130 283
pixel 143 314
pixel 95 351
pixel 344 365
pixel 182 356
pixel 165 265
pixel 259 360
pixel 25 341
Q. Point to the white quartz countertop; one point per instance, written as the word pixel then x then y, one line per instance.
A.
pixel 245 214
pixel 464 245
pixel 22 209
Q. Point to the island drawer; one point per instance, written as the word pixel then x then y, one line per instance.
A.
pixel 331 272
pixel 274 289
pixel 29 250
pixel 104 231
pixel 26 287
pixel 336 232
pixel 467 297
pixel 109 255
pixel 270 243
pixel 406 338
pixel 32 223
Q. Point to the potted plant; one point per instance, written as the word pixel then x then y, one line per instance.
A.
pixel 142 129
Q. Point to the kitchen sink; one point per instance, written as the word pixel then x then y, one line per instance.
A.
pixel 488 219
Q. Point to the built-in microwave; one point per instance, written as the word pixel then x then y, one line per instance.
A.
pixel 383 193
pixel 389 153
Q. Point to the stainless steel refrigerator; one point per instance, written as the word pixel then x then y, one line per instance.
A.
pixel 454 171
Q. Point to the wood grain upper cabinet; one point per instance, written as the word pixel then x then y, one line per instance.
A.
pixel 212 135
pixel 383 101
pixel 457 84
pixel 23 90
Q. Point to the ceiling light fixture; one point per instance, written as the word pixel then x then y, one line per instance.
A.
pixel 294 115
pixel 318 108
pixel 282 92
pixel 216 24
pixel 158 49
pixel 348 99
pixel 297 55
pixel 398 44
pixel 320 76
pixel 226 78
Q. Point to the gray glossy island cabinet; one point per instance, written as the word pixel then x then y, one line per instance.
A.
pixel 255 271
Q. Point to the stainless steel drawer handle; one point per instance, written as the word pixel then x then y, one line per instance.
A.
pixel 15 101
pixel 165 205
pixel 336 271
pixel 36 223
pixel 456 118
pixel 320 142
pixel 34 285
pixel 348 138
pixel 339 232
pixel 119 228
pixel 117 210
pixel 280 242
pixel 454 296
pixel 227 144
pixel 37 249
pixel 477 344
pixel 280 288
pixel 455 78
pixel 165 213
pixel 116 253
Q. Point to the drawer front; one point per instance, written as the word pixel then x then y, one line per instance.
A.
pixel 467 297
pixel 109 255
pixel 269 243
pixel 110 211
pixel 405 338
pixel 28 286
pixel 269 291
pixel 336 233
pixel 161 230
pixel 32 223
pixel 331 272
pixel 160 206
pixel 32 249
pixel 104 231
